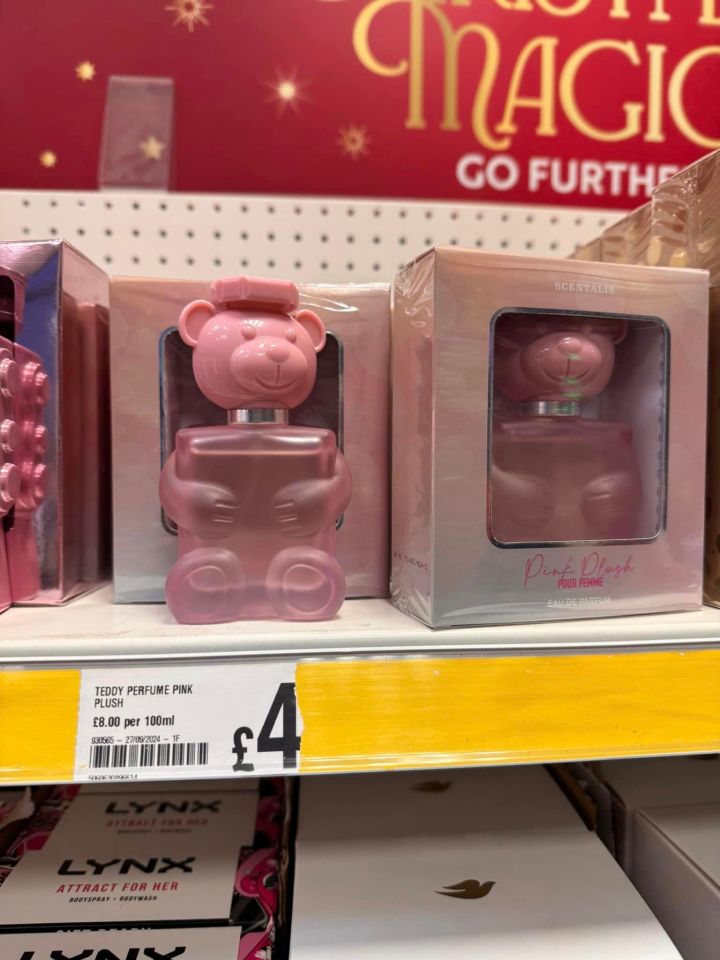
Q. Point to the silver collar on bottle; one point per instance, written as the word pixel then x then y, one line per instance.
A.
pixel 551 408
pixel 261 415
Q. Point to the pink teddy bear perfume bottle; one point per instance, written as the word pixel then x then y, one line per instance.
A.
pixel 256 501
pixel 557 475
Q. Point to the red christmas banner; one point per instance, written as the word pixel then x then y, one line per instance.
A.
pixel 589 102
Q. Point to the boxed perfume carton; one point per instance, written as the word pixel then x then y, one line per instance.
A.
pixel 54 429
pixel 501 887
pixel 685 232
pixel 676 868
pixel 411 804
pixel 154 394
pixel 548 438
pixel 170 859
pixel 631 785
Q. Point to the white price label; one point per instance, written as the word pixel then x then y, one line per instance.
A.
pixel 153 723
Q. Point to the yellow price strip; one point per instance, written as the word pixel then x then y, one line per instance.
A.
pixel 349 715
pixel 389 714
pixel 38 725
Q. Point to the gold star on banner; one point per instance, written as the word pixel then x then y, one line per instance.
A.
pixel 287 91
pixel 85 71
pixel 354 141
pixel 189 12
pixel 152 147
pixel 48 158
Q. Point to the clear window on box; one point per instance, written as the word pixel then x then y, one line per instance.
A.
pixel 578 428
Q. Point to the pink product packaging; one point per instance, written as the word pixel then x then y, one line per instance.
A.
pixel 548 429
pixel 155 395
pixel 54 423
pixel 171 860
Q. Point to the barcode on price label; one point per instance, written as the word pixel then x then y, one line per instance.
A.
pixel 107 756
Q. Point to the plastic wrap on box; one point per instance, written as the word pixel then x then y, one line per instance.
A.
pixel 154 394
pixel 627 241
pixel 588 251
pixel 548 439
pixel 685 216
pixel 137 142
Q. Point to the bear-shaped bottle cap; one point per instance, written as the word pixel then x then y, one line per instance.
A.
pixel 280 296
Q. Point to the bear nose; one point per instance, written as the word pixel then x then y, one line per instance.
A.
pixel 570 346
pixel 278 352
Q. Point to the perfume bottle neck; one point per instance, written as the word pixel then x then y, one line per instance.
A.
pixel 551 408
pixel 261 415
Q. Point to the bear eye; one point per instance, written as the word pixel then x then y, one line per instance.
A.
pixel 248 331
pixel 291 335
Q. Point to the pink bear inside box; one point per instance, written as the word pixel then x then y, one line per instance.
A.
pixel 154 395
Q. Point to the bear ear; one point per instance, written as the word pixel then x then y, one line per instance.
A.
pixel 313 326
pixel 193 319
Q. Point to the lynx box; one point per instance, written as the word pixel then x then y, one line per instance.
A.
pixel 548 438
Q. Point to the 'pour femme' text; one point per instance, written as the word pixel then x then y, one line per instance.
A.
pixel 590 571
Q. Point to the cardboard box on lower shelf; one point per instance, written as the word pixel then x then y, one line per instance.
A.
pixel 515 875
pixel 676 867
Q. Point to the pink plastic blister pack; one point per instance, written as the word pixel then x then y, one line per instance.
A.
pixel 30 401
pixel 9 473
pixel 256 500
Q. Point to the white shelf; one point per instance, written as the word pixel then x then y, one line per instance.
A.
pixel 94 630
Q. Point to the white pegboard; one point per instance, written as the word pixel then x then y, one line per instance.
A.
pixel 302 238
